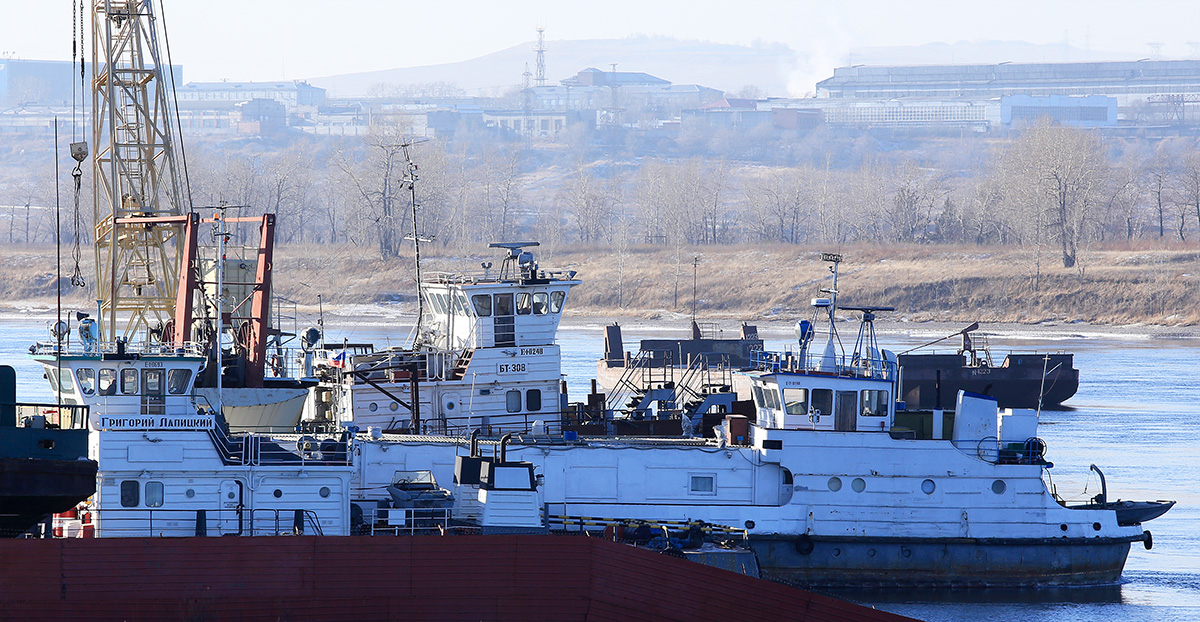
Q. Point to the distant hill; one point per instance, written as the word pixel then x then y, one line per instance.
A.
pixel 772 67
pixel 717 65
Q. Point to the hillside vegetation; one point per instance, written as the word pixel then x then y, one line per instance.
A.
pixel 923 283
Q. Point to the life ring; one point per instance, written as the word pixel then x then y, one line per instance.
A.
pixel 804 544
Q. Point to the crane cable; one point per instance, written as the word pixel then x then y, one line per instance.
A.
pixel 77 172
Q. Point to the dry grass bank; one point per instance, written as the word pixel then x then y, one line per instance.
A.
pixel 1159 287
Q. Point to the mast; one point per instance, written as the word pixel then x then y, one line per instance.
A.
pixel 138 208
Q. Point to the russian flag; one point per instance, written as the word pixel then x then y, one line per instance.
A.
pixel 339 361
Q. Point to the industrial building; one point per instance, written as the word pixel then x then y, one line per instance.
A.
pixel 1127 81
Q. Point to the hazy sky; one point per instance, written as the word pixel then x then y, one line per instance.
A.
pixel 274 39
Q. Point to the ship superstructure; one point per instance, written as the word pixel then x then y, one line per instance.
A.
pixel 484 355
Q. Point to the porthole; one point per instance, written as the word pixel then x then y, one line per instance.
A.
pixel 278 493
pixel 324 492
pixel 835 484
pixel 999 486
pixel 449 405
pixel 1096 526
pixel 749 524
pixel 858 484
pixel 870 552
pixel 393 407
pixel 1062 527
pixel 928 487
pixel 837 552
pixel 373 407
pixel 189 493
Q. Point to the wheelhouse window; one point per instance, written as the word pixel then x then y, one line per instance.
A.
pixel 771 394
pixel 129 493
pixel 541 303
pixel 524 303
pixel 154 494
pixel 512 401
pixel 152 381
pixel 129 378
pixel 86 376
pixel 177 381
pixel 822 401
pixel 461 306
pixel 482 304
pixel 874 403
pixel 504 304
pixel 556 301
pixel 533 400
pixel 796 401
pixel 108 381
pixel 758 396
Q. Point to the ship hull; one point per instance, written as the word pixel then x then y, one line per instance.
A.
pixel 933 381
pixel 32 488
pixel 942 562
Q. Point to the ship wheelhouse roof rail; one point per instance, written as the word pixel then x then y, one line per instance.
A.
pixel 118 349
pixel 845 366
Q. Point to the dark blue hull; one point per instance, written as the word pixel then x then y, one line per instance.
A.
pixel 941 562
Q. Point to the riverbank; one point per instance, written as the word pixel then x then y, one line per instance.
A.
pixel 925 284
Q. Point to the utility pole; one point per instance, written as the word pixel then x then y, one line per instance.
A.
pixel 540 76
pixel 695 267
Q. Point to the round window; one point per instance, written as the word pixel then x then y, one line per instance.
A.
pixel 835 483
pixel 999 486
pixel 393 406
pixel 928 487
pixel 449 405
pixel 278 493
pixel 858 484
pixel 324 492
pixel 189 493
pixel 373 407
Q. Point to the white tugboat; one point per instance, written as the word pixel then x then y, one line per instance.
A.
pixel 827 489
pixel 483 357
pixel 168 462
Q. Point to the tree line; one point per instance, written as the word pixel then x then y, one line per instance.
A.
pixel 1053 189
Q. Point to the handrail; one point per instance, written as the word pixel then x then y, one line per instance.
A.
pixel 844 366
pixel 212 521
pixel 410 521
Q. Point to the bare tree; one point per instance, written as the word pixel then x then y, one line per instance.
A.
pixel 1057 175
pixel 378 178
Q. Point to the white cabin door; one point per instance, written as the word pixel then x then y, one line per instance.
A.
pixel 229 513
pixel 504 321
pixel 846 411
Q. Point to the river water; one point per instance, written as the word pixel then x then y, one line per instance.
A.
pixel 1136 415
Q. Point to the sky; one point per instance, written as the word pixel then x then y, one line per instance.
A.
pixel 293 39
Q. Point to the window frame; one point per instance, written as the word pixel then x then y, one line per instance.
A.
pixel 155 492
pixel 177 388
pixel 697 477
pixel 127 376
pixel 482 310
pixel 86 386
pixel 131 493
pixel 557 299
pixel 510 402
pixel 531 404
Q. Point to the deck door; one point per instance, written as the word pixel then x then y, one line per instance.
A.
pixel 846 411
pixel 229 516
pixel 505 321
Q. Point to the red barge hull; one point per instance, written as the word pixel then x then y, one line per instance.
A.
pixel 519 577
